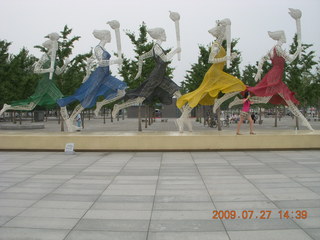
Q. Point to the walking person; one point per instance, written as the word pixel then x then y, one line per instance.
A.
pixel 79 121
pixel 244 114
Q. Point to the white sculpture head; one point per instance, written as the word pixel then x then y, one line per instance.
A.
pixel 225 22
pixel 222 29
pixel 47 44
pixel 278 36
pixel 158 34
pixel 54 36
pixel 114 24
pixel 102 35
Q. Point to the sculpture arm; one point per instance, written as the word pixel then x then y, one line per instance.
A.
pixel 63 68
pixel 170 55
pixel 289 57
pixel 214 51
pixel 165 57
pixel 89 67
pixel 38 65
pixel 236 101
pixel 140 62
pixel 104 63
pixel 295 14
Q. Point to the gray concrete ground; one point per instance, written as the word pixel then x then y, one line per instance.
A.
pixel 98 125
pixel 159 195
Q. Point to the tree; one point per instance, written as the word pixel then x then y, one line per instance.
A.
pixel 195 75
pixel 248 74
pixel 21 76
pixel 17 80
pixel 4 66
pixel 313 90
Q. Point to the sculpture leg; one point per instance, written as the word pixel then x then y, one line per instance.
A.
pixel 236 101
pixel 69 122
pixel 184 119
pixel 99 105
pixel 64 113
pixel 27 107
pixel 298 114
pixel 221 100
pixel 5 108
pixel 177 94
pixel 131 102
pixel 255 99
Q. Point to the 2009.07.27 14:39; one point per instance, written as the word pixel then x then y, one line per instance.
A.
pixel 263 214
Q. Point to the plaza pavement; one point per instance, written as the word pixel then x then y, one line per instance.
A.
pixel 158 195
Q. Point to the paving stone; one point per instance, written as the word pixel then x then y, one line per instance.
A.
pixel 187 236
pixel 126 198
pixel 11 211
pixel 292 234
pixel 158 195
pixel 192 206
pixel 62 204
pixel 42 222
pixel 118 214
pixel 53 213
pixel 314 233
pixel 181 215
pixel 20 203
pixel 265 205
pixel 139 206
pixel 186 226
pixel 29 233
pixel 309 222
pixel 103 235
pixel 4 220
pixel 258 224
pixel 113 225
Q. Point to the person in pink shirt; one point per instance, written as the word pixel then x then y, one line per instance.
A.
pixel 245 113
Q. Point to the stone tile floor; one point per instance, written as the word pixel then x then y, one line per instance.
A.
pixel 159 195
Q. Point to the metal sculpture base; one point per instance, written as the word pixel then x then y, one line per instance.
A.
pixel 159 141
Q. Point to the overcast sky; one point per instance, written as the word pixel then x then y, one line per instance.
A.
pixel 26 22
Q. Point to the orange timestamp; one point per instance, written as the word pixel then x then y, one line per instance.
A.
pixel 258 214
